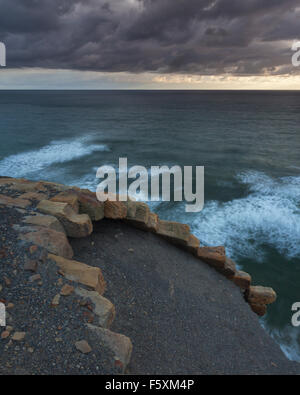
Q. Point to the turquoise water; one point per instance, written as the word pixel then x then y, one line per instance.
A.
pixel 249 143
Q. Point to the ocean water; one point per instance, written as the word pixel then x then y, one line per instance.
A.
pixel 249 143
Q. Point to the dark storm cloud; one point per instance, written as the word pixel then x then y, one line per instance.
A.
pixel 183 36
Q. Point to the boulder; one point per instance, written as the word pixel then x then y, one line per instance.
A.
pixel 81 273
pixel 75 225
pixel 175 232
pixel 259 309
pixel 242 279
pixel 152 224
pixel 260 295
pixel 229 268
pixel 90 205
pixel 45 220
pixel 192 244
pixel 115 209
pixel 120 345
pixel 53 241
pixel 67 197
pixel 215 256
pixel 14 202
pixel 104 309
pixel 138 214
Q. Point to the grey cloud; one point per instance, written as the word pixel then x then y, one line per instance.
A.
pixel 183 36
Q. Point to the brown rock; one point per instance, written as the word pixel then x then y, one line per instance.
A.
pixel 67 290
pixel 30 265
pixel 259 309
pixel 174 231
pixel 55 301
pixel 229 268
pixel 242 279
pixel 90 205
pixel 67 197
pixel 192 244
pixel 32 196
pixel 83 346
pixel 49 221
pixel 5 334
pixel 54 186
pixel 115 209
pixel 138 214
pixel 258 295
pixel 53 241
pixel 16 202
pixel 18 336
pixel 104 309
pixel 119 344
pixel 81 273
pixel 22 185
pixel 75 225
pixel 215 256
pixel 152 224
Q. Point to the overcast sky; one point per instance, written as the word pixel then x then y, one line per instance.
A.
pixel 197 44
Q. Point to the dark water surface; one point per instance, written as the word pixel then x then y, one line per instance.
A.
pixel 249 143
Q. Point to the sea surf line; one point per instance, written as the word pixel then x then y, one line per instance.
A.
pixel 183 184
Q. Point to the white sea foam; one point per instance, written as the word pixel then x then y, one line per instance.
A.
pixel 270 214
pixel 26 163
pixel 288 339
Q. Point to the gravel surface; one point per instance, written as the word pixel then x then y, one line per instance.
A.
pixel 181 315
pixel 50 332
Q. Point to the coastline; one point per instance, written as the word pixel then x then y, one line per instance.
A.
pixel 44 215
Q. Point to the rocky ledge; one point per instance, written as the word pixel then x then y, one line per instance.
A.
pixel 40 223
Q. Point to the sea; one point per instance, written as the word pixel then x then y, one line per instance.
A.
pixel 247 141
